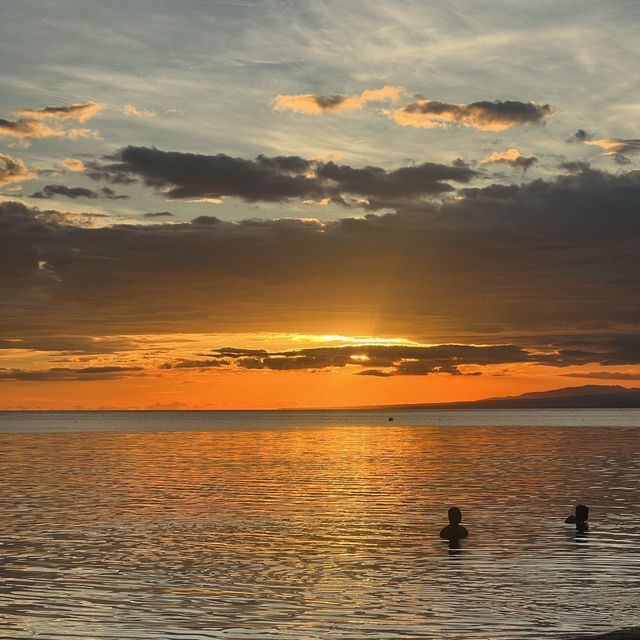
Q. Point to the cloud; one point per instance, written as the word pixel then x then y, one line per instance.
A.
pixel 195 364
pixel 132 110
pixel 484 115
pixel 32 123
pixel 13 170
pixel 29 129
pixel 619 148
pixel 274 179
pixel 499 260
pixel 53 190
pixel 73 164
pixel 74 134
pixel 376 373
pixel 113 172
pixel 401 359
pixel 386 360
pixel 159 214
pixel 511 157
pixel 319 105
pixel 79 112
pixel 580 136
pixel 604 375
pixel 62 374
pixel 70 344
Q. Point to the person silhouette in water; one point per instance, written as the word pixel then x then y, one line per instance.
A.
pixel 580 518
pixel 454 530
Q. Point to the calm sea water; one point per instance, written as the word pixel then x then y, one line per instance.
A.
pixel 317 524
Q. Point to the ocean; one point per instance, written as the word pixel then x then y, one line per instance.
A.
pixel 317 524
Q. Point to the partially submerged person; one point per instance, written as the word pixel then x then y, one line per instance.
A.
pixel 454 530
pixel 580 518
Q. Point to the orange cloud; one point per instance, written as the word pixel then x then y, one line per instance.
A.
pixel 73 164
pixel 13 170
pixel 132 110
pixel 483 115
pixel 512 157
pixel 74 134
pixel 615 146
pixel 24 128
pixel 31 123
pixel 79 112
pixel 312 104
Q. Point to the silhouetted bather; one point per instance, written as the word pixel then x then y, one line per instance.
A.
pixel 454 530
pixel 580 518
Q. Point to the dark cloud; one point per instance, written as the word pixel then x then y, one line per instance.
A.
pixel 53 190
pixel 71 345
pixel 437 356
pixel 275 179
pixel 376 373
pixel 575 166
pixel 532 258
pixel 580 135
pixel 483 115
pixel 206 220
pixel 60 374
pixel 418 360
pixel 111 172
pixel 195 364
pixel 159 214
pixel 604 375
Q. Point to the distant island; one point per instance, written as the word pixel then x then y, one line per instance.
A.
pixel 584 397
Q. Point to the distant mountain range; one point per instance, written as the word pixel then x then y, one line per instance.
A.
pixel 585 397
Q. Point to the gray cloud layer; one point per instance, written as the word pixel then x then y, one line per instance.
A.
pixel 276 179
pixel 499 260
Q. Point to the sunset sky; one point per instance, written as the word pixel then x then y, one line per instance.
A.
pixel 269 203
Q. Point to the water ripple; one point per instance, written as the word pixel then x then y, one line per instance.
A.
pixel 318 533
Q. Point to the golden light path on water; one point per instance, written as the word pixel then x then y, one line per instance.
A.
pixel 317 531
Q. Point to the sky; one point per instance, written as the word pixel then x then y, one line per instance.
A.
pixel 268 204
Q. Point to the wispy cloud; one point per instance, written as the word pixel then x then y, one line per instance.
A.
pixel 138 112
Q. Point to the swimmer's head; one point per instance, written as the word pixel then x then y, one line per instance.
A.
pixel 582 513
pixel 455 515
